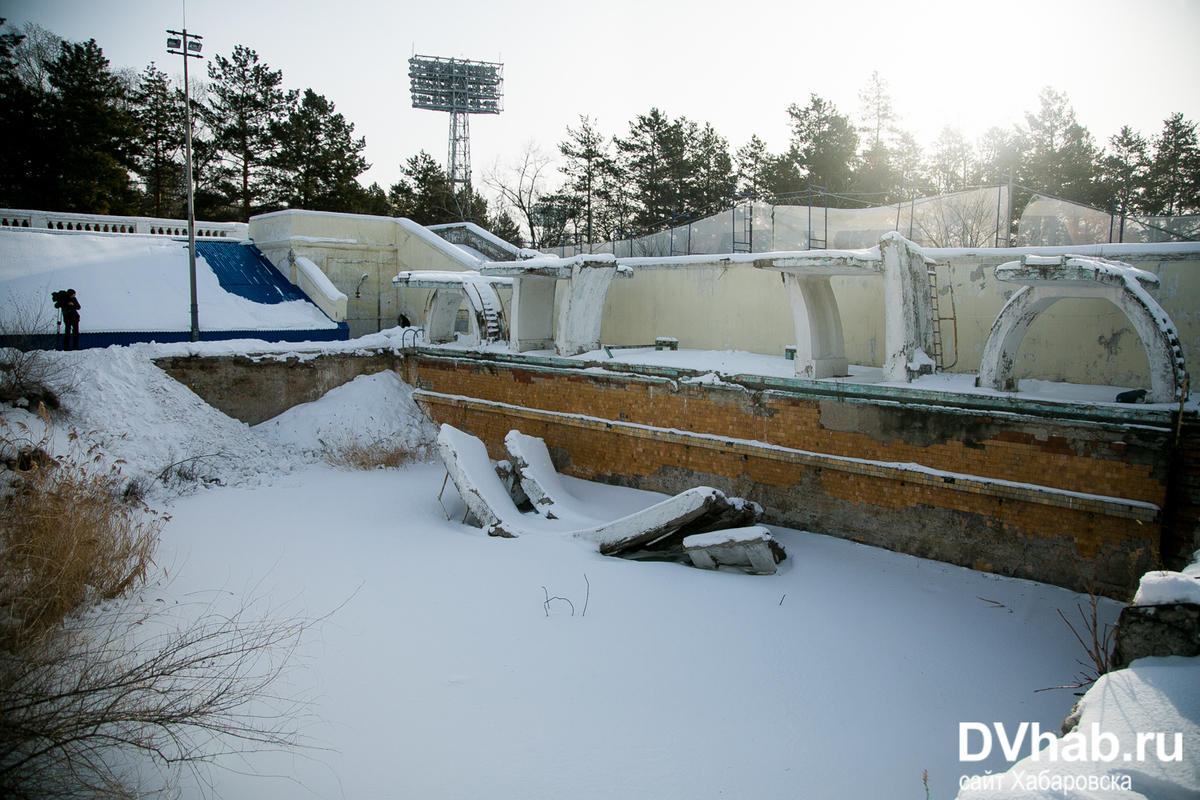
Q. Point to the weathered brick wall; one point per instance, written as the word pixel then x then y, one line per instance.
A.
pixel 1051 499
pixel 254 389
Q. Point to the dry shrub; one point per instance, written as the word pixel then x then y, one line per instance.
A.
pixel 30 376
pixel 68 539
pixel 357 453
pixel 96 682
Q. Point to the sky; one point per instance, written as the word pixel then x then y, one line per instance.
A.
pixel 738 66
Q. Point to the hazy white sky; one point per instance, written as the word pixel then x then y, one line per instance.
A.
pixel 738 65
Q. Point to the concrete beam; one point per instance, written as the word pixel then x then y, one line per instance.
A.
pixel 588 279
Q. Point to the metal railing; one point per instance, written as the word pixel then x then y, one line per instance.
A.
pixel 100 223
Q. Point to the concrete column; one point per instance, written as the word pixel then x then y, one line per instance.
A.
pixel 997 366
pixel 820 345
pixel 532 323
pixel 582 307
pixel 440 313
pixel 908 307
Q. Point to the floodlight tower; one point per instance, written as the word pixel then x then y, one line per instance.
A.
pixel 463 88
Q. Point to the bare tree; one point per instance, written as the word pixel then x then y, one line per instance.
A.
pixel 521 183
pixel 965 219
pixel 34 54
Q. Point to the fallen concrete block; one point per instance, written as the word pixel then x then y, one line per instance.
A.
pixel 735 547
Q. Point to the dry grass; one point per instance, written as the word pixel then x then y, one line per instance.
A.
pixel 356 453
pixel 92 691
pixel 69 537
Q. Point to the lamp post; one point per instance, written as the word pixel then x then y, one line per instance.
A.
pixel 182 43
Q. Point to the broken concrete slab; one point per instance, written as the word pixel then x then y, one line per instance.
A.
pixel 734 547
pixel 470 468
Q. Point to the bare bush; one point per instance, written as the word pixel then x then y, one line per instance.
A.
pixel 29 374
pixel 68 539
pixel 357 453
pixel 96 682
pixel 139 684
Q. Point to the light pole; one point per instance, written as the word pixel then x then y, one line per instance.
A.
pixel 182 43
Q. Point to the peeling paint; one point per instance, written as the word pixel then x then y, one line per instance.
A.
pixel 1112 344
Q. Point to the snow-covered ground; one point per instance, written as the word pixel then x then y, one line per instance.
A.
pixel 445 674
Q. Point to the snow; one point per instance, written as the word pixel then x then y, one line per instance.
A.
pixel 753 533
pixel 319 279
pixel 444 673
pixel 130 282
pixel 726 365
pixel 1153 695
pixel 368 409
pixel 1161 588
pixel 921 359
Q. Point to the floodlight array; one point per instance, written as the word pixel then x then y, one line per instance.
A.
pixel 456 85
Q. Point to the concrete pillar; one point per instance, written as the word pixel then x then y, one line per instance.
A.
pixel 908 306
pixel 997 366
pixel 820 345
pixel 532 324
pixel 440 314
pixel 582 307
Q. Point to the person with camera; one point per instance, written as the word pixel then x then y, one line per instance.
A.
pixel 69 305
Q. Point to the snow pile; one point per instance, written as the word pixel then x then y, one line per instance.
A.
pixel 1162 588
pixel 130 282
pixel 1101 757
pixel 135 412
pixel 369 409
pixel 117 399
pixel 1136 736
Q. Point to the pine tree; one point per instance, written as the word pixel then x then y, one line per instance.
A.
pixel 1174 175
pixel 587 161
pixel 425 195
pixel 245 102
pixel 824 144
pixel 951 160
pixel 318 159
pixel 997 152
pixel 160 112
pixel 753 163
pixel 1126 169
pixel 1061 158
pixel 709 174
pixel 878 113
pixel 650 160
pixel 93 133
pixel 877 175
pixel 23 131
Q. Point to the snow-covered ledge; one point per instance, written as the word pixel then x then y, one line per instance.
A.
pixel 1048 279
pixel 313 282
pixel 820 343
pixel 534 287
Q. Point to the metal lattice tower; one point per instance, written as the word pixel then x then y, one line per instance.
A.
pixel 462 88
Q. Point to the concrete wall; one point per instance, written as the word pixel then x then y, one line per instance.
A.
pixel 742 308
pixel 1049 492
pixel 347 246
pixel 255 389
pixel 1025 490
pixel 1076 341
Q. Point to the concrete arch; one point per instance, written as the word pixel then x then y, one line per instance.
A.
pixel 1150 322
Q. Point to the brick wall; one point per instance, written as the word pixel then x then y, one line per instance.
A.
pixel 1012 489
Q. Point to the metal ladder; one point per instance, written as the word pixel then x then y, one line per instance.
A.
pixel 489 313
pixel 939 353
pixel 743 234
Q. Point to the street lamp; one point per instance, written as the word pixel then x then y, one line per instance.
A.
pixel 182 43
